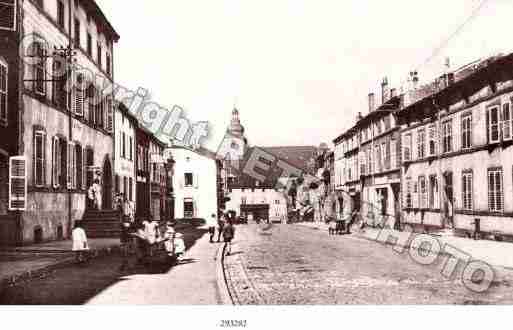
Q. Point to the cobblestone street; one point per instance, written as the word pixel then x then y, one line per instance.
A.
pixel 287 264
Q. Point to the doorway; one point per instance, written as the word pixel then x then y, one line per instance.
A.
pixel 107 185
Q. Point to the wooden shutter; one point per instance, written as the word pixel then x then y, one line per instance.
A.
pixel 17 183
pixel 79 95
pixel 39 158
pixel 109 122
pixel 70 157
pixel 8 15
pixel 56 162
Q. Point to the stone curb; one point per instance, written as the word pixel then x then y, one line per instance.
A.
pixel 224 292
pixel 32 274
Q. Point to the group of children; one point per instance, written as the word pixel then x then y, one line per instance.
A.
pixel 147 235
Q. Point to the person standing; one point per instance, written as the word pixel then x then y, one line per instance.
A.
pixel 228 235
pixel 94 193
pixel 80 246
pixel 220 226
pixel 212 223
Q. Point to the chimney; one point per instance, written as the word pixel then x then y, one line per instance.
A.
pixel 359 117
pixel 384 91
pixel 372 102
pixel 393 93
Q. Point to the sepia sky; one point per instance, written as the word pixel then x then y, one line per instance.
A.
pixel 299 71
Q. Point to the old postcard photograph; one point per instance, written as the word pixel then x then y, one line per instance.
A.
pixel 247 154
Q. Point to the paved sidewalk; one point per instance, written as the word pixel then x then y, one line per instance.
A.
pixel 25 263
pixel 192 282
pixel 492 252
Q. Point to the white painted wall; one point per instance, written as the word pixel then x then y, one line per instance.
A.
pixel 204 189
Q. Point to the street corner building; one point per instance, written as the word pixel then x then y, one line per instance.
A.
pixel 58 135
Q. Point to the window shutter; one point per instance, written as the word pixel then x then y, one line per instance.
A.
pixel 56 162
pixel 84 168
pixel 39 159
pixel 8 17
pixel 506 122
pixel 17 184
pixel 488 132
pixel 69 172
pixel 78 104
pixel 110 115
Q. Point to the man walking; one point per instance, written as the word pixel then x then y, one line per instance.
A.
pixel 228 235
pixel 220 225
pixel 211 223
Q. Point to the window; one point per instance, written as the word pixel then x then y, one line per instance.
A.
pixel 125 186
pixel 77 33
pixel 421 144
pixel 130 189
pixel 506 121
pixel 123 145
pixel 447 136
pixel 79 94
pixel 433 192
pixel 78 167
pixel 432 140
pixel 386 147
pixel 38 51
pixel 379 164
pixel 4 184
pixel 188 179
pixel 72 167
pixel 466 131
pixel 492 120
pixel 369 161
pixel 99 55
pixel 422 192
pixel 407 147
pixel 131 151
pixel 108 64
pixel 61 14
pixel 89 44
pixel 39 158
pixel 59 74
pixel 3 91
pixel 467 191
pixel 409 202
pixel 188 208
pixel 495 191
pixel 56 162
pixel 8 16
pixel 243 200
pixel 387 121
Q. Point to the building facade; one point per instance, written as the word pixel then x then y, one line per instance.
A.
pixel 125 180
pixel 63 136
pixel 457 151
pixel 195 183
pixel 367 163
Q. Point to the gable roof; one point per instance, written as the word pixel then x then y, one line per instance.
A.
pixel 297 156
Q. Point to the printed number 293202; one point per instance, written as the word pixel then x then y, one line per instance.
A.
pixel 233 324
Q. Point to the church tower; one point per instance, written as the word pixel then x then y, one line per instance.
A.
pixel 236 129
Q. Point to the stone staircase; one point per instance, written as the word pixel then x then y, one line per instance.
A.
pixel 101 224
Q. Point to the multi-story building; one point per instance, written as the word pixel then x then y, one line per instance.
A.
pixel 157 179
pixel 125 153
pixel 62 137
pixel 366 164
pixel 457 151
pixel 196 183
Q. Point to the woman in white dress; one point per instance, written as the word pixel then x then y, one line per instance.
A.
pixel 80 246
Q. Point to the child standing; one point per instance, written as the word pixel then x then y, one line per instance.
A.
pixel 179 246
pixel 228 235
pixel 80 245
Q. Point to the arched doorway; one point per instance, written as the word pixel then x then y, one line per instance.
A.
pixel 107 185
